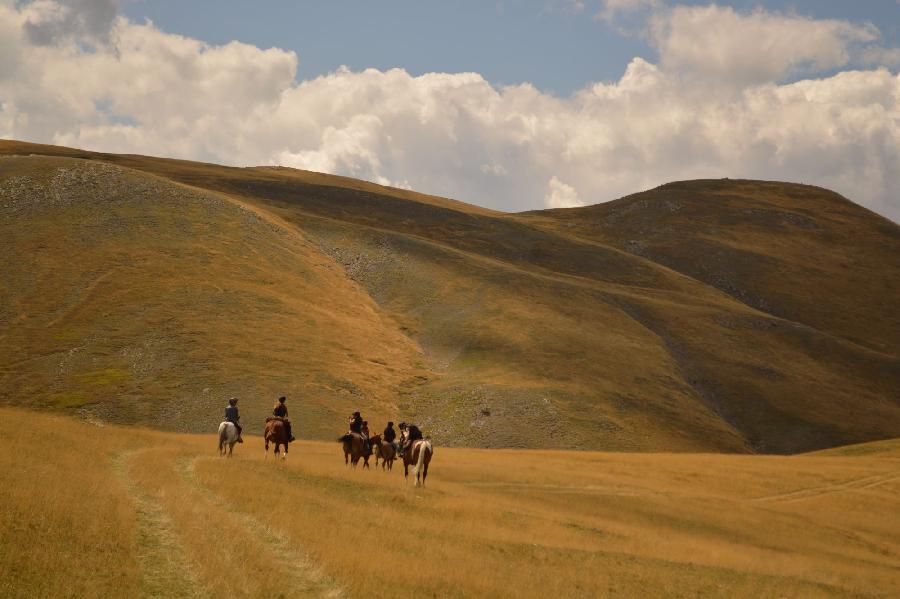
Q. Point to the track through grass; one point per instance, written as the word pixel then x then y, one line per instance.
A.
pixel 165 569
pixel 302 577
pixel 140 513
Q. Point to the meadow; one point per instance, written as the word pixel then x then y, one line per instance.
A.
pixel 93 510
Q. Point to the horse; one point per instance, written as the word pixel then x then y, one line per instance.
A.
pixel 384 450
pixel 418 453
pixel 228 435
pixel 277 434
pixel 354 449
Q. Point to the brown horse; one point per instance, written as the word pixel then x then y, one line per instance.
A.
pixel 354 449
pixel 418 453
pixel 277 434
pixel 383 450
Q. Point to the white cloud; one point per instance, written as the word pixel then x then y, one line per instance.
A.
pixel 510 148
pixel 560 195
pixel 611 10
pixel 754 47
pixel 55 21
pixel 494 169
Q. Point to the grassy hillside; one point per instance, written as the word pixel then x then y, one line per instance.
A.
pixel 723 316
pixel 132 512
pixel 144 301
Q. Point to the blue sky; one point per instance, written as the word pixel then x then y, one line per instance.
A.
pixel 512 105
pixel 543 42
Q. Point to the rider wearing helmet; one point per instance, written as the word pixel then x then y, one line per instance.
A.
pixel 356 423
pixel 232 416
pixel 281 411
pixel 390 434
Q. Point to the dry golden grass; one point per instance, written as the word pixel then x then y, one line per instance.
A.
pixel 104 510
pixel 732 316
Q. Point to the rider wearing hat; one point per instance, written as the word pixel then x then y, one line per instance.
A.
pixel 281 411
pixel 232 416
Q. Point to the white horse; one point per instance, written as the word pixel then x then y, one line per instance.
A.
pixel 228 435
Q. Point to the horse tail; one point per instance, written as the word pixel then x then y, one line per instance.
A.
pixel 223 434
pixel 345 438
pixel 423 447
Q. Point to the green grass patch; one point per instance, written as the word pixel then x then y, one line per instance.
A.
pixel 105 377
pixel 69 399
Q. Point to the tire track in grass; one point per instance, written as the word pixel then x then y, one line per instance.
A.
pixel 306 579
pixel 856 484
pixel 164 566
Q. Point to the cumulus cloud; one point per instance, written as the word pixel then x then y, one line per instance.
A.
pixel 49 22
pixel 755 47
pixel 509 148
pixel 560 195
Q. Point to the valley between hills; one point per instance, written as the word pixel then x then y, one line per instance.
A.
pixel 701 316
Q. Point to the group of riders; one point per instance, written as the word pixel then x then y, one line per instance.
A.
pixel 408 432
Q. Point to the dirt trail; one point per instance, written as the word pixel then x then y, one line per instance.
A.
pixel 165 569
pixel 172 566
pixel 303 578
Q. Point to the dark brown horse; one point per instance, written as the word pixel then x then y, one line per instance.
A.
pixel 384 450
pixel 419 454
pixel 277 434
pixel 354 449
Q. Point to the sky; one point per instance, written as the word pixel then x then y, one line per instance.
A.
pixel 509 105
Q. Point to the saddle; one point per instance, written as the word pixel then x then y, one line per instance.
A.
pixel 271 418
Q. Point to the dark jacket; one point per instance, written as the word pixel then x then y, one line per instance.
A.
pixel 413 433
pixel 390 434
pixel 280 410
pixel 231 414
pixel 356 425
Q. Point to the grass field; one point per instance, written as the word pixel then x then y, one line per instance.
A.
pixel 97 511
pixel 701 316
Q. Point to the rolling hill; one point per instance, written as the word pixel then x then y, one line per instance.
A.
pixel 735 316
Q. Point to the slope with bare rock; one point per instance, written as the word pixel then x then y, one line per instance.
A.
pixel 724 316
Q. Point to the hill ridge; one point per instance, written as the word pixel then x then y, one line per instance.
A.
pixel 635 324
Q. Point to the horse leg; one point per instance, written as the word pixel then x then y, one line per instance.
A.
pixel 267 448
pixel 284 455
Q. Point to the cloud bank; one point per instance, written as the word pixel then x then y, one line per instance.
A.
pixel 76 74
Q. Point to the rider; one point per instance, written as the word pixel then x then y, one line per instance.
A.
pixel 390 434
pixel 232 416
pixel 281 411
pixel 356 423
pixel 409 433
